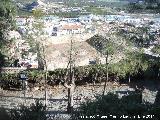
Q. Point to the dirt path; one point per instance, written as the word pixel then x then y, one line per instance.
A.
pixel 57 96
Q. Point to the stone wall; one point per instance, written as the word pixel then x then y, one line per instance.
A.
pixel 12 69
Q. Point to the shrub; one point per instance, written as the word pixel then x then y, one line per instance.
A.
pixel 35 76
pixel 9 80
pixel 130 105
pixel 4 114
pixel 35 112
pixel 156 49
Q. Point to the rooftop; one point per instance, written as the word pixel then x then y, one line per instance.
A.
pixel 71 27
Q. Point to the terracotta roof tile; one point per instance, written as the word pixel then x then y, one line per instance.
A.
pixel 71 27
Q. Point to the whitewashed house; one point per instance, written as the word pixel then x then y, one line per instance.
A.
pixel 71 29
pixel 21 21
pixel 85 19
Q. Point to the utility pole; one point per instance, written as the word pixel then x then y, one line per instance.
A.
pixel 23 78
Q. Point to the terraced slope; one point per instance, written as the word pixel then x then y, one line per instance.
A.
pixel 58 54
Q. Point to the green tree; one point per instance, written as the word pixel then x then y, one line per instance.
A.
pixel 106 47
pixel 7 23
pixel 132 7
pixel 156 49
pixel 7 20
pixel 152 1
pixel 109 49
pixel 34 36
pixel 139 36
pixel 36 41
pixel 135 63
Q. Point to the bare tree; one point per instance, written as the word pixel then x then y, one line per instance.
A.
pixel 70 84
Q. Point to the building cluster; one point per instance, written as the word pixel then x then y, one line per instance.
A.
pixel 55 27
pixel 52 27
pixel 70 9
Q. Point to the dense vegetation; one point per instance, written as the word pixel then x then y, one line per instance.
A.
pixel 7 23
pixel 135 67
pixel 111 105
pixel 156 49
pixel 149 5
pixel 36 111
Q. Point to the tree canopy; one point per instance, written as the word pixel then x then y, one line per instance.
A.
pixel 7 23
pixel 7 14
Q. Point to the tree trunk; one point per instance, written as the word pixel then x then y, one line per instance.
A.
pixel 24 91
pixel 70 88
pixel 69 101
pixel 46 74
pixel 106 75
pixel 129 78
